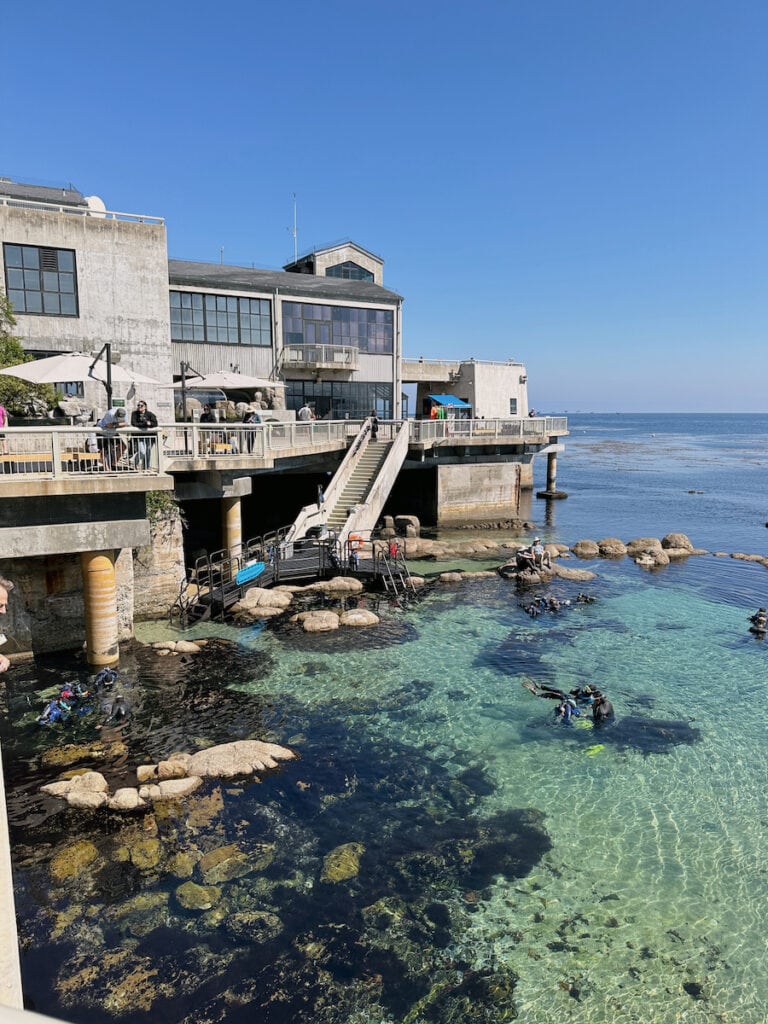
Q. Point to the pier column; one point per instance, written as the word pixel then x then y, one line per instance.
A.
pixel 10 966
pixel 552 471
pixel 100 602
pixel 551 489
pixel 231 525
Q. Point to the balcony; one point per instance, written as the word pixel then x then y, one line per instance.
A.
pixel 320 357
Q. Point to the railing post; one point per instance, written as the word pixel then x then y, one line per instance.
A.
pixel 56 455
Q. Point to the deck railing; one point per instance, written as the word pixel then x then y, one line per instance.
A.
pixel 53 453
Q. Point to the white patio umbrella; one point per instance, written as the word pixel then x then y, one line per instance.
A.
pixel 73 366
pixel 227 381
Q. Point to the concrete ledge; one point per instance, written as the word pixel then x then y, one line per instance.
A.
pixel 27 487
pixel 70 538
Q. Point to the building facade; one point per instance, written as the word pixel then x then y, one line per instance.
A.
pixel 79 275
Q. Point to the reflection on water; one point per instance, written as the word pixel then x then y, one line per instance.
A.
pixel 442 851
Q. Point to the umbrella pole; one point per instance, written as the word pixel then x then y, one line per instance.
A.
pixel 106 349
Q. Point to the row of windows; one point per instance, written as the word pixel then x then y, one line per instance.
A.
pixel 369 330
pixel 341 399
pixel 220 319
pixel 41 280
pixel 44 281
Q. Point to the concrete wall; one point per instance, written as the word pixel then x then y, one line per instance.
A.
pixel 122 283
pixel 477 491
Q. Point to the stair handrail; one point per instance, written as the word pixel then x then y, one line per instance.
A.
pixel 310 515
pixel 366 515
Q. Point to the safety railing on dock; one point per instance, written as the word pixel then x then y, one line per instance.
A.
pixel 52 452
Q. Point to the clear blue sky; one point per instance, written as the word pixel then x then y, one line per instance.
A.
pixel 577 185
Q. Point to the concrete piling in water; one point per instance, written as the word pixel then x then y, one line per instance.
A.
pixel 231 525
pixel 100 603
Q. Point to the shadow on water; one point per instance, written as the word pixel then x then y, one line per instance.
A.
pixel 345 880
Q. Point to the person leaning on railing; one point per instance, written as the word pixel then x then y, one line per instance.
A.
pixel 142 419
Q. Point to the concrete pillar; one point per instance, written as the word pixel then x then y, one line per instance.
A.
pixel 100 602
pixel 231 525
pixel 552 471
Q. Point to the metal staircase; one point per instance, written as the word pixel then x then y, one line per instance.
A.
pixel 358 486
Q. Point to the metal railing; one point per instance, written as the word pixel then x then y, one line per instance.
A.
pixel 62 452
pixel 79 211
pixel 491 429
pixel 53 453
pixel 326 357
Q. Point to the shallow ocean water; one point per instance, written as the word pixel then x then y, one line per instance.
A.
pixel 626 874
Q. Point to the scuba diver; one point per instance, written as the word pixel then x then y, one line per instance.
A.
pixel 602 710
pixel 74 692
pixel 56 710
pixel 584 695
pixel 117 712
pixel 584 598
pixel 105 680
pixel 759 621
pixel 566 710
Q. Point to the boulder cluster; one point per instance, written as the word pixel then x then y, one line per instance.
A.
pixel 261 603
pixel 177 777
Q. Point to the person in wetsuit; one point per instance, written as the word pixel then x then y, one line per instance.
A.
pixel 602 710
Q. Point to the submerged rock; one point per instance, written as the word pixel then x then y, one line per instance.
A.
pixel 73 860
pixel 342 863
pixel 192 896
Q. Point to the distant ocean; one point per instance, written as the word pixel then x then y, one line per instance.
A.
pixel 443 852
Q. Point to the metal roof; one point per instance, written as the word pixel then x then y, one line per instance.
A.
pixel 457 403
pixel 303 287
pixel 42 194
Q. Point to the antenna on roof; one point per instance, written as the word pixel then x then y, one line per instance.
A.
pixel 294 231
pixel 221 254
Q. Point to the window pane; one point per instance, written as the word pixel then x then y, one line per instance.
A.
pixel 68 304
pixel 51 303
pixel 50 281
pixel 12 255
pixel 15 278
pixel 31 256
pixel 17 300
pixel 66 282
pixel 66 260
pixel 32 280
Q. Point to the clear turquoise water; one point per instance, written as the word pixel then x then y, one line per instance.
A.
pixel 650 904
pixel 658 858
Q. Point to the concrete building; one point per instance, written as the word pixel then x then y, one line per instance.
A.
pixel 78 276
pixel 493 390
pixel 335 341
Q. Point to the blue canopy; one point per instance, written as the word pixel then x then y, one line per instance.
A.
pixel 457 403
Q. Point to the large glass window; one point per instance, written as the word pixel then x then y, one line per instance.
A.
pixel 220 319
pixel 338 400
pixel 41 281
pixel 349 271
pixel 370 330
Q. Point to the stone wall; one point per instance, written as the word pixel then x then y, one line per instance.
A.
pixel 158 569
pixel 45 609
